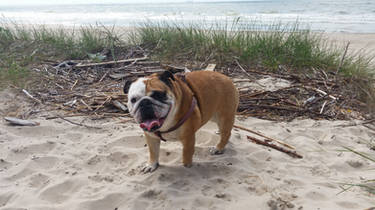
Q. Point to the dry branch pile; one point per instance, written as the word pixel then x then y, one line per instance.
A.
pixel 317 95
pixel 95 89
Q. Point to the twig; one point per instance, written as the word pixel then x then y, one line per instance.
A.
pixel 127 66
pixel 259 134
pixel 30 96
pixel 75 83
pixel 84 103
pixel 80 65
pixel 247 74
pixel 342 58
pixel 101 105
pixel 79 124
pixel 321 92
pixel 265 143
pixel 105 74
pixel 324 104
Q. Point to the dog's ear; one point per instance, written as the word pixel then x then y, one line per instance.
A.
pixel 127 84
pixel 166 77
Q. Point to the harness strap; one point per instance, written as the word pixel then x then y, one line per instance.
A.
pixel 175 127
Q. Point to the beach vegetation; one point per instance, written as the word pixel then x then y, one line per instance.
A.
pixel 277 47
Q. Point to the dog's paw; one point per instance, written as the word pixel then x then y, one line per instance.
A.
pixel 214 151
pixel 150 168
pixel 188 165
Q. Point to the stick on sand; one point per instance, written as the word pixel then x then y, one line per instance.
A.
pixel 269 138
pixel 265 143
pixel 79 124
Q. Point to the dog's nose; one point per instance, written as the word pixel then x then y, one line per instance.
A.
pixel 145 102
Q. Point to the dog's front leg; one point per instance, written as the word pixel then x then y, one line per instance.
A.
pixel 153 148
pixel 188 143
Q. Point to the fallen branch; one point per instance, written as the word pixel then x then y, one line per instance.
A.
pixel 293 154
pixel 17 121
pixel 119 105
pixel 324 104
pixel 247 74
pixel 32 97
pixel 259 134
pixel 80 65
pixel 79 124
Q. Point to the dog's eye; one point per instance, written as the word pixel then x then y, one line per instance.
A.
pixel 133 100
pixel 159 95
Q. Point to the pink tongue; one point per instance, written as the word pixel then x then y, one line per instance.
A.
pixel 149 124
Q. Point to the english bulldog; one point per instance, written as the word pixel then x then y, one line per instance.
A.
pixel 174 107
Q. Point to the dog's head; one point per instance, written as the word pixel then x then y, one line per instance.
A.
pixel 151 100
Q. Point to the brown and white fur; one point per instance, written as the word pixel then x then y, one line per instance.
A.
pixel 217 100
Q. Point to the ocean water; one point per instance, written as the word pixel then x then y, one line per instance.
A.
pixel 355 16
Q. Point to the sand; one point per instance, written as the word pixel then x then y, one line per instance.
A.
pixel 60 166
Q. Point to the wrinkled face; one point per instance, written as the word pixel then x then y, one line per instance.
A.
pixel 149 102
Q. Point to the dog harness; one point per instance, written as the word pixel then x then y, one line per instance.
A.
pixel 186 116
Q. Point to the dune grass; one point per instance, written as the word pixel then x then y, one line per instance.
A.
pixel 21 46
pixel 286 46
pixel 368 185
pixel 279 46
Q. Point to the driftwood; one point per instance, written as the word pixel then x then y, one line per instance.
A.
pixel 120 106
pixel 210 67
pixel 79 124
pixel 268 138
pixel 17 121
pixel 90 91
pixel 32 97
pixel 82 65
pixel 293 154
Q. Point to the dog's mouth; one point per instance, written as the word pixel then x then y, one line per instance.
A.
pixel 152 125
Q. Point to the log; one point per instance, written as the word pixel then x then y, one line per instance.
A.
pixel 17 121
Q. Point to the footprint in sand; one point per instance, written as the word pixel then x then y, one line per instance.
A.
pixel 38 180
pixel 5 198
pixel 63 191
pixel 23 152
pixel 110 201
pixel 127 141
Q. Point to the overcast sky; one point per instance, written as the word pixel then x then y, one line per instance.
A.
pixel 34 2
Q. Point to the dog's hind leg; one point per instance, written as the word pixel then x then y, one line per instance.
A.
pixel 225 124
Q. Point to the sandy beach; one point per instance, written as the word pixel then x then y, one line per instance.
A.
pixel 60 166
pixel 358 42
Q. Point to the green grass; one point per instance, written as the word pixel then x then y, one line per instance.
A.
pixel 280 45
pixel 23 46
pixel 368 185
pixel 297 50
